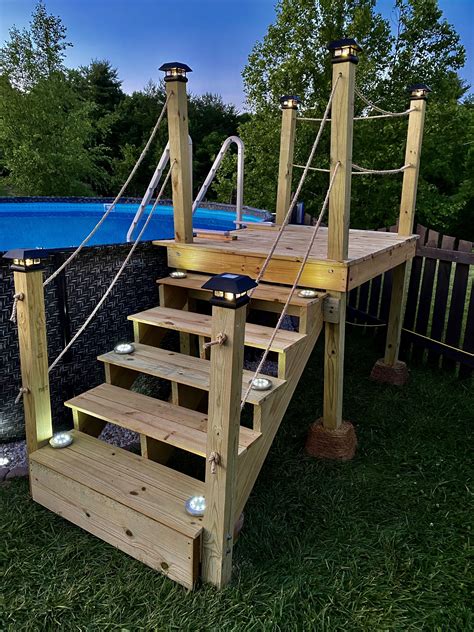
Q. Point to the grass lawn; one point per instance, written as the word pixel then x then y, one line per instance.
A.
pixel 380 543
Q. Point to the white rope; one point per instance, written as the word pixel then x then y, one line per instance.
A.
pixel 215 460
pixel 220 340
pixel 376 107
pixel 116 277
pixel 21 391
pixel 19 296
pixel 114 203
pixel 362 171
pixel 293 287
pixel 313 168
pixel 363 118
pixel 300 185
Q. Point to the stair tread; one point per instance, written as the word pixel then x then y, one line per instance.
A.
pixel 180 368
pixel 175 425
pixel 256 336
pixel 145 486
pixel 264 291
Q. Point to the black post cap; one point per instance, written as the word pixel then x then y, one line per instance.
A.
pixel 229 290
pixel 418 91
pixel 289 102
pixel 26 259
pixel 343 50
pixel 175 71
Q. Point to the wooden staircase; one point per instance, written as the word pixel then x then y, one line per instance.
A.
pixel 137 503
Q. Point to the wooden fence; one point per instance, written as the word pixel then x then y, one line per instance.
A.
pixel 438 325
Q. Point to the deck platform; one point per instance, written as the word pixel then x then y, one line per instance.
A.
pixel 370 253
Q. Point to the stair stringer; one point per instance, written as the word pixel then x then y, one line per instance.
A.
pixel 271 412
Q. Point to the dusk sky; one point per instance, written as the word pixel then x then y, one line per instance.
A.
pixel 213 36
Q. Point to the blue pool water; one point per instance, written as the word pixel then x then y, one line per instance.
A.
pixel 65 224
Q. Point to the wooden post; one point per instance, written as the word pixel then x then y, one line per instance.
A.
pixel 289 107
pixel 406 218
pixel 344 60
pixel 31 321
pixel 181 177
pixel 222 442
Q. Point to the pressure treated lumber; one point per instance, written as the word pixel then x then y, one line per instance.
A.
pixel 179 368
pixel 127 501
pixel 201 324
pixel 334 343
pixel 285 169
pixel 222 443
pixel 180 427
pixel 31 323
pixel 181 177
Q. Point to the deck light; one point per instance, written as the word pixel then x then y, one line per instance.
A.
pixel 124 348
pixel 261 384
pixel 344 50
pixel 195 506
pixel 229 290
pixel 175 71
pixel 289 102
pixel 4 461
pixel 61 440
pixel 178 274
pixel 418 91
pixel 307 293
pixel 25 260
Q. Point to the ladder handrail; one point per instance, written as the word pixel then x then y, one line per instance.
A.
pixel 240 175
pixel 161 166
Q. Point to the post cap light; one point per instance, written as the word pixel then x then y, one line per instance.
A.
pixel 229 290
pixel 418 91
pixel 175 71
pixel 24 259
pixel 289 102
pixel 344 50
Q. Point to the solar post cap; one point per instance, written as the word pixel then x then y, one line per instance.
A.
pixel 418 91
pixel 175 71
pixel 344 50
pixel 289 102
pixel 229 290
pixel 26 259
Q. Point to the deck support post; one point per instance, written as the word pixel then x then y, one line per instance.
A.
pixel 390 369
pixel 223 429
pixel 289 108
pixel 175 81
pixel 31 321
pixel 344 60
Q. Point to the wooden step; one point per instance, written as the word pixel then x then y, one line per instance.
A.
pixel 177 426
pixel 132 503
pixel 256 336
pixel 267 292
pixel 182 369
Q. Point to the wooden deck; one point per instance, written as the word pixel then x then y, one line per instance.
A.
pixel 370 254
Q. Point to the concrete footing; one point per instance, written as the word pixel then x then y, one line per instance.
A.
pixel 338 444
pixel 396 374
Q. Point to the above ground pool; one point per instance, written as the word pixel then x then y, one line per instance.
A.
pixel 51 224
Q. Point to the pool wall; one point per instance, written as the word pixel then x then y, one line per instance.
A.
pixel 71 297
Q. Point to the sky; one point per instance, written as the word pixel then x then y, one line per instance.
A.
pixel 214 37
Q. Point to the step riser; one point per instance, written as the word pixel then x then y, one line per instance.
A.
pixel 147 540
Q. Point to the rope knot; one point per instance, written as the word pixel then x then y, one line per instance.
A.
pixel 19 296
pixel 214 459
pixel 21 391
pixel 220 340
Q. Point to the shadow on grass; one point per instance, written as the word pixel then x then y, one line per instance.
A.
pixel 379 543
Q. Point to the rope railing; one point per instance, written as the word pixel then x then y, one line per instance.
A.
pixel 293 287
pixel 362 171
pixel 313 168
pixel 116 277
pixel 116 200
pixel 300 184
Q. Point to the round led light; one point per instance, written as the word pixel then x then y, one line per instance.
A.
pixel 124 348
pixel 307 293
pixel 195 506
pixel 178 274
pixel 61 440
pixel 4 461
pixel 261 384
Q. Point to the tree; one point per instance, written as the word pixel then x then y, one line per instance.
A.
pixel 292 59
pixel 34 54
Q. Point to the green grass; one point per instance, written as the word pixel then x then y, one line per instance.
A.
pixel 380 543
